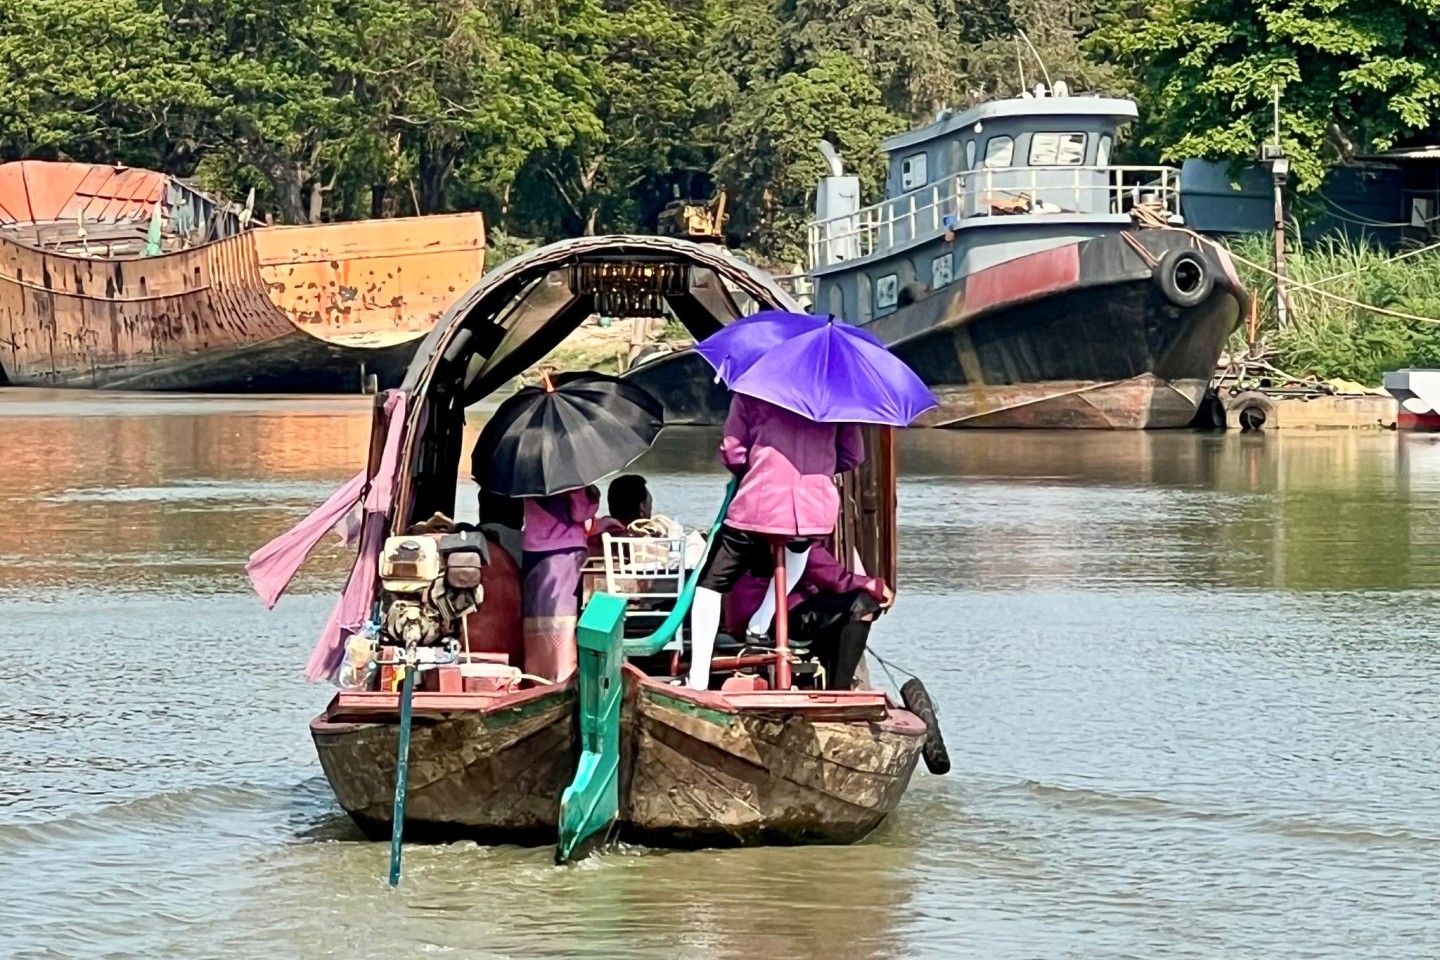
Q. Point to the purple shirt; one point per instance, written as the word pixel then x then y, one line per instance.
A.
pixel 787 466
pixel 558 522
pixel 823 574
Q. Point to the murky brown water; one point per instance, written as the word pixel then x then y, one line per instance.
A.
pixel 1190 685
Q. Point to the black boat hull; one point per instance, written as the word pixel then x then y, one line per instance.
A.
pixel 1079 336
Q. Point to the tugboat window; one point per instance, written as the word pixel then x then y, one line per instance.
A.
pixel 887 291
pixel 912 172
pixel 969 154
pixel 1057 149
pixel 862 283
pixel 1102 157
pixel 999 151
pixel 954 153
pixel 942 271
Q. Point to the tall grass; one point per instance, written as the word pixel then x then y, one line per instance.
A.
pixel 1334 340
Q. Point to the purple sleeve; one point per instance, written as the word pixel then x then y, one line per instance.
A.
pixel 735 447
pixel 849 448
pixel 583 506
pixel 824 573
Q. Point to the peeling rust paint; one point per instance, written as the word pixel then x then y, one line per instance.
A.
pixel 244 293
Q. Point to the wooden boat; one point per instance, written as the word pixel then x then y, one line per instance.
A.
pixel 642 757
pixel 712 768
pixel 127 279
pixel 697 767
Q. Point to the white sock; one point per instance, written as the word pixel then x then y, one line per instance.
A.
pixel 794 570
pixel 704 624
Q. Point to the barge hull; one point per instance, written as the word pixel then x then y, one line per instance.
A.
pixel 285 309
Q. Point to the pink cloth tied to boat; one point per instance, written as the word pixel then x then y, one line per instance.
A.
pixel 787 466
pixel 273 566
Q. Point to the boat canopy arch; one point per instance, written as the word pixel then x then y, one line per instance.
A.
pixel 519 313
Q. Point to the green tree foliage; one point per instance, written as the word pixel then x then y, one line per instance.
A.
pixel 563 117
pixel 641 60
pixel 1353 74
pixel 93 81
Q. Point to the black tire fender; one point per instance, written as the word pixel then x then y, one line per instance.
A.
pixel 1185 276
pixel 917 700
pixel 1250 411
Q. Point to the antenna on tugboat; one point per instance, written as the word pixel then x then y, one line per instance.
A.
pixel 1038 59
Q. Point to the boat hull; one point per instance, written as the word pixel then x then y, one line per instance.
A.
pixel 699 773
pixel 493 774
pixel 695 771
pixel 1080 335
pixel 319 309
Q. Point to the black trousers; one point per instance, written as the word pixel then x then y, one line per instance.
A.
pixel 736 553
pixel 836 627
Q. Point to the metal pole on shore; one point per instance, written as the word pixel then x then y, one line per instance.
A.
pixel 1279 171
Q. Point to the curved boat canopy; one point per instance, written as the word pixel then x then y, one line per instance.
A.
pixel 524 309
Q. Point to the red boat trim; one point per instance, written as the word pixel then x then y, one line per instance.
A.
pixel 841 706
pixel 1024 278
pixel 371 703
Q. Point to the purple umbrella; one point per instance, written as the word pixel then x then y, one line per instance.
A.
pixel 818 367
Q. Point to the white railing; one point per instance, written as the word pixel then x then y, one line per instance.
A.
pixel 1004 191
pixel 798 285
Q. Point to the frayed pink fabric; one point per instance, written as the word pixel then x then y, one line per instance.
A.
pixel 272 568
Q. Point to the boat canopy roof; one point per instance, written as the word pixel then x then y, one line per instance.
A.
pixel 525 308
pixel 1040 109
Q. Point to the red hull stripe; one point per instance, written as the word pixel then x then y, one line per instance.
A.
pixel 1023 278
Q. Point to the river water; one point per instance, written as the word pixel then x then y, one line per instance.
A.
pixel 1189 684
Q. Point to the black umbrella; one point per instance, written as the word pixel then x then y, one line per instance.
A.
pixel 565 435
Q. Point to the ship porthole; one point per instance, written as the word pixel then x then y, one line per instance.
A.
pixel 1184 277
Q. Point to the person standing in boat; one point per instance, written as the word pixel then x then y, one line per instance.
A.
pixel 787 466
pixel 554 551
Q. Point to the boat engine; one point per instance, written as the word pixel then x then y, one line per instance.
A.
pixel 430 582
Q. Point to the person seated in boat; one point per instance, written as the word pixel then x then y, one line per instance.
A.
pixel 787 466
pixel 831 610
pixel 501 519
pixel 627 501
pixel 553 555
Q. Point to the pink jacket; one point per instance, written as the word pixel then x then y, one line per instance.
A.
pixel 823 574
pixel 787 466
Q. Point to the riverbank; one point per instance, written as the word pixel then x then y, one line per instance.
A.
pixel 611 347
pixel 1329 338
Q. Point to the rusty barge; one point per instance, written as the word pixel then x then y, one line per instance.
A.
pixel 126 279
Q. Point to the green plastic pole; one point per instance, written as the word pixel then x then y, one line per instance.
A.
pixel 402 774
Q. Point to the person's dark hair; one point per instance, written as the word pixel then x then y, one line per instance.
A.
pixel 506 511
pixel 626 496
